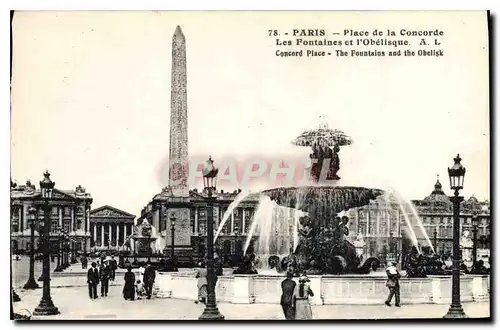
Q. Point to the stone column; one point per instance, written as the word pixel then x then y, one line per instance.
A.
pixel 243 220
pixel 95 234
pixel 60 217
pixel 73 219
pixel 118 234
pixel 367 222
pixel 196 221
pixel 20 219
pixel 232 223
pixel 102 234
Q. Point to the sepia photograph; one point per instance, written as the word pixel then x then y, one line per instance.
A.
pixel 250 165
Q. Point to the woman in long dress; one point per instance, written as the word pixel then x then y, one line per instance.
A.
pixel 301 297
pixel 202 284
pixel 129 287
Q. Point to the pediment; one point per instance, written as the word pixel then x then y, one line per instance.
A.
pixel 110 212
pixel 61 195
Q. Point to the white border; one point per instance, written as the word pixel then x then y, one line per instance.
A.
pixel 6 5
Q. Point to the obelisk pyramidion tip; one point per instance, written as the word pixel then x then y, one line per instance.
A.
pixel 178 32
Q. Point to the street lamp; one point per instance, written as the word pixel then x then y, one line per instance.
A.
pixel 172 251
pixel 31 284
pixel 211 311
pixel 46 306
pixel 456 174
pixel 475 224
pixel 59 249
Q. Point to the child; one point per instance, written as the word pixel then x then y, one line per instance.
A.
pixel 139 289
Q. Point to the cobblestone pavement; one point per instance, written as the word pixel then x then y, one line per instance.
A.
pixel 75 304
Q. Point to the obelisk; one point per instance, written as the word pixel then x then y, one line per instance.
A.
pixel 178 173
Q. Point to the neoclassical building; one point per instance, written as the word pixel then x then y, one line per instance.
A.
pixel 191 221
pixel 110 228
pixel 388 224
pixel 70 209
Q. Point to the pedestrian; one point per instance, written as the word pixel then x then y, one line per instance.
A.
pixel 129 287
pixel 202 284
pixel 301 299
pixel 113 266
pixel 287 290
pixel 393 277
pixel 139 289
pixel 84 262
pixel 93 280
pixel 149 279
pixel 104 276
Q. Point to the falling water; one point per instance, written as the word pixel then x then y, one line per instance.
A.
pixel 276 229
pixel 296 231
pixel 421 226
pixel 239 198
pixel 414 215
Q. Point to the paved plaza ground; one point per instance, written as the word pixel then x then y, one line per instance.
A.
pixel 70 294
pixel 75 304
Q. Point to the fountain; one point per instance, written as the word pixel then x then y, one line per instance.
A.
pixel 143 245
pixel 307 222
pixel 303 229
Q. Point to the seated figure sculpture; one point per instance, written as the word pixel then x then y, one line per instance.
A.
pixel 323 154
pixel 415 264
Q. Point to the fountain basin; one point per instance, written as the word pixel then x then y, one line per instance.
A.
pixel 328 289
pixel 324 202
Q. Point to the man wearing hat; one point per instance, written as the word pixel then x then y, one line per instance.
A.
pixel 93 280
pixel 393 277
pixel 287 301
pixel 104 276
pixel 149 279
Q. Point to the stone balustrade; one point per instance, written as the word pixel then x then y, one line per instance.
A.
pixel 328 290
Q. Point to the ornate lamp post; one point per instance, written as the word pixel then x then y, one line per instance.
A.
pixel 456 174
pixel 475 224
pixel 46 306
pixel 211 311
pixel 31 284
pixel 59 249
pixel 172 250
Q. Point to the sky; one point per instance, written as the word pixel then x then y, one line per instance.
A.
pixel 91 99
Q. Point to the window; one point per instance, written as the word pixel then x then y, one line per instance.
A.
pixel 66 226
pixel 67 210
pixel 247 213
pixel 54 226
pixel 55 210
pixel 15 226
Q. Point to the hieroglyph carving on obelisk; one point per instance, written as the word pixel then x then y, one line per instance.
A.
pixel 178 171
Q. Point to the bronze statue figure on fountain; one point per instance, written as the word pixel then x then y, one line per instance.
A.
pixel 321 155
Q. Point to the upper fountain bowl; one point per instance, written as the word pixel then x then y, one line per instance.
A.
pixel 323 199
